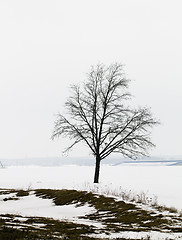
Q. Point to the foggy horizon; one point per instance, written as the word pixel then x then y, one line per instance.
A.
pixel 47 45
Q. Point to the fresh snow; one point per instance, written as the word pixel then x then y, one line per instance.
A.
pixel 163 182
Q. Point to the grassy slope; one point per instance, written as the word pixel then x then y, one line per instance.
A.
pixel 115 216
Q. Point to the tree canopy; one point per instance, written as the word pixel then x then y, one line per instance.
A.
pixel 99 116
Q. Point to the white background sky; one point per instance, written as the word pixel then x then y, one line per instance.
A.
pixel 45 45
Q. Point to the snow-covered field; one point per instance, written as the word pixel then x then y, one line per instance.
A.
pixel 163 182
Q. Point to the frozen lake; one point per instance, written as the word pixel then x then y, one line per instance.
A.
pixel 161 181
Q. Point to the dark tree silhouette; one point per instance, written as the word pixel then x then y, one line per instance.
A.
pixel 100 118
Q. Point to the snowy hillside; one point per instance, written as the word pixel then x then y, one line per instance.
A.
pixel 148 184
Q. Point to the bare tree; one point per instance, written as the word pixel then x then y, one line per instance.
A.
pixel 101 119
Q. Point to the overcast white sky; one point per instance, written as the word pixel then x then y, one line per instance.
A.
pixel 45 45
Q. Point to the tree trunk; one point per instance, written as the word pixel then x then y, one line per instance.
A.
pixel 97 169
